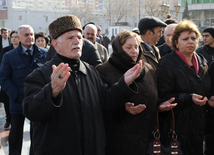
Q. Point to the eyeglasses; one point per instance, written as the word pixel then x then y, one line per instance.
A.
pixel 98 30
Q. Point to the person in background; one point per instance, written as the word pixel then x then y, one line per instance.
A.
pixel 106 41
pixel 183 74
pixel 9 32
pixel 4 39
pixel 150 32
pixel 112 37
pixel 209 149
pixel 129 128
pixel 4 98
pixel 167 46
pixel 99 29
pixel 65 97
pixel 136 30
pixel 15 66
pixel 90 33
pixel 42 40
pixel 97 38
pixel 14 43
pixel 207 50
pixel 168 21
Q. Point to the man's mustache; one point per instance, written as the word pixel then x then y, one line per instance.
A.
pixel 90 38
pixel 76 46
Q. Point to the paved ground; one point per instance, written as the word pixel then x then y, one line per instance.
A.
pixel 5 133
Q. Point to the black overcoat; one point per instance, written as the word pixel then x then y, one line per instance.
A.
pixel 129 134
pixel 176 79
pixel 71 124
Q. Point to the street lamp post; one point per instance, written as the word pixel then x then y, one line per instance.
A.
pixel 177 9
pixel 26 11
pixel 165 9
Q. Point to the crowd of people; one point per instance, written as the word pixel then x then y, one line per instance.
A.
pixel 81 100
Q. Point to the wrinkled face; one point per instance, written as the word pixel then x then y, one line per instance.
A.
pixel 187 42
pixel 5 34
pixel 208 39
pixel 90 34
pixel 14 39
pixel 69 44
pixel 156 35
pixel 168 35
pixel 40 41
pixel 26 37
pixel 131 48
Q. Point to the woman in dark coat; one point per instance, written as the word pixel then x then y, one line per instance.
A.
pixel 183 74
pixel 128 134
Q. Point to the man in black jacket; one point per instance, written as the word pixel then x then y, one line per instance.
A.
pixel 207 50
pixel 166 47
pixel 4 40
pixel 65 97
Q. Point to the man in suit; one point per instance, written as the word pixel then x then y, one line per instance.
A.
pixel 4 39
pixel 16 65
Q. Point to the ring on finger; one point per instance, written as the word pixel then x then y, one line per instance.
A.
pixel 60 77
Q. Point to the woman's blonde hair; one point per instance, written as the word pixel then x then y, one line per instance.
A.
pixel 125 34
pixel 184 25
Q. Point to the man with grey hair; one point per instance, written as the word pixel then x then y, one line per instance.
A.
pixel 166 47
pixel 15 66
pixel 90 33
pixel 65 97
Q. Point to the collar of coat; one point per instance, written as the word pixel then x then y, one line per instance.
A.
pixel 82 67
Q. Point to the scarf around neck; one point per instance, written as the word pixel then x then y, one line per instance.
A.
pixel 194 60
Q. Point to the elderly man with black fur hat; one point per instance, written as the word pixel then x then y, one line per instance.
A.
pixel 150 32
pixel 207 50
pixel 65 97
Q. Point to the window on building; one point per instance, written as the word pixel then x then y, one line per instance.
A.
pixel 206 1
pixel 20 17
pixel 199 1
pixel 212 1
pixel 193 1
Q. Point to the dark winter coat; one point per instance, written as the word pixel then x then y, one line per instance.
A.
pixel 89 53
pixel 106 42
pixel 151 57
pixel 1 49
pixel 164 49
pixel 15 67
pixel 72 123
pixel 128 134
pixel 211 124
pixel 176 79
pixel 6 49
pixel 207 52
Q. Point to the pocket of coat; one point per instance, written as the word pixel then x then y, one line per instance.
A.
pixel 20 71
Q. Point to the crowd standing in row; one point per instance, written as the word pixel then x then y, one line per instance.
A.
pixel 81 101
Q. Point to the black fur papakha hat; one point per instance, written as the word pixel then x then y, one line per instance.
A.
pixel 64 24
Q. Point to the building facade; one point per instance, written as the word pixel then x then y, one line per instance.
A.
pixel 200 11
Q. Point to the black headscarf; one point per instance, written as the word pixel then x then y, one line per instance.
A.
pixel 121 60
